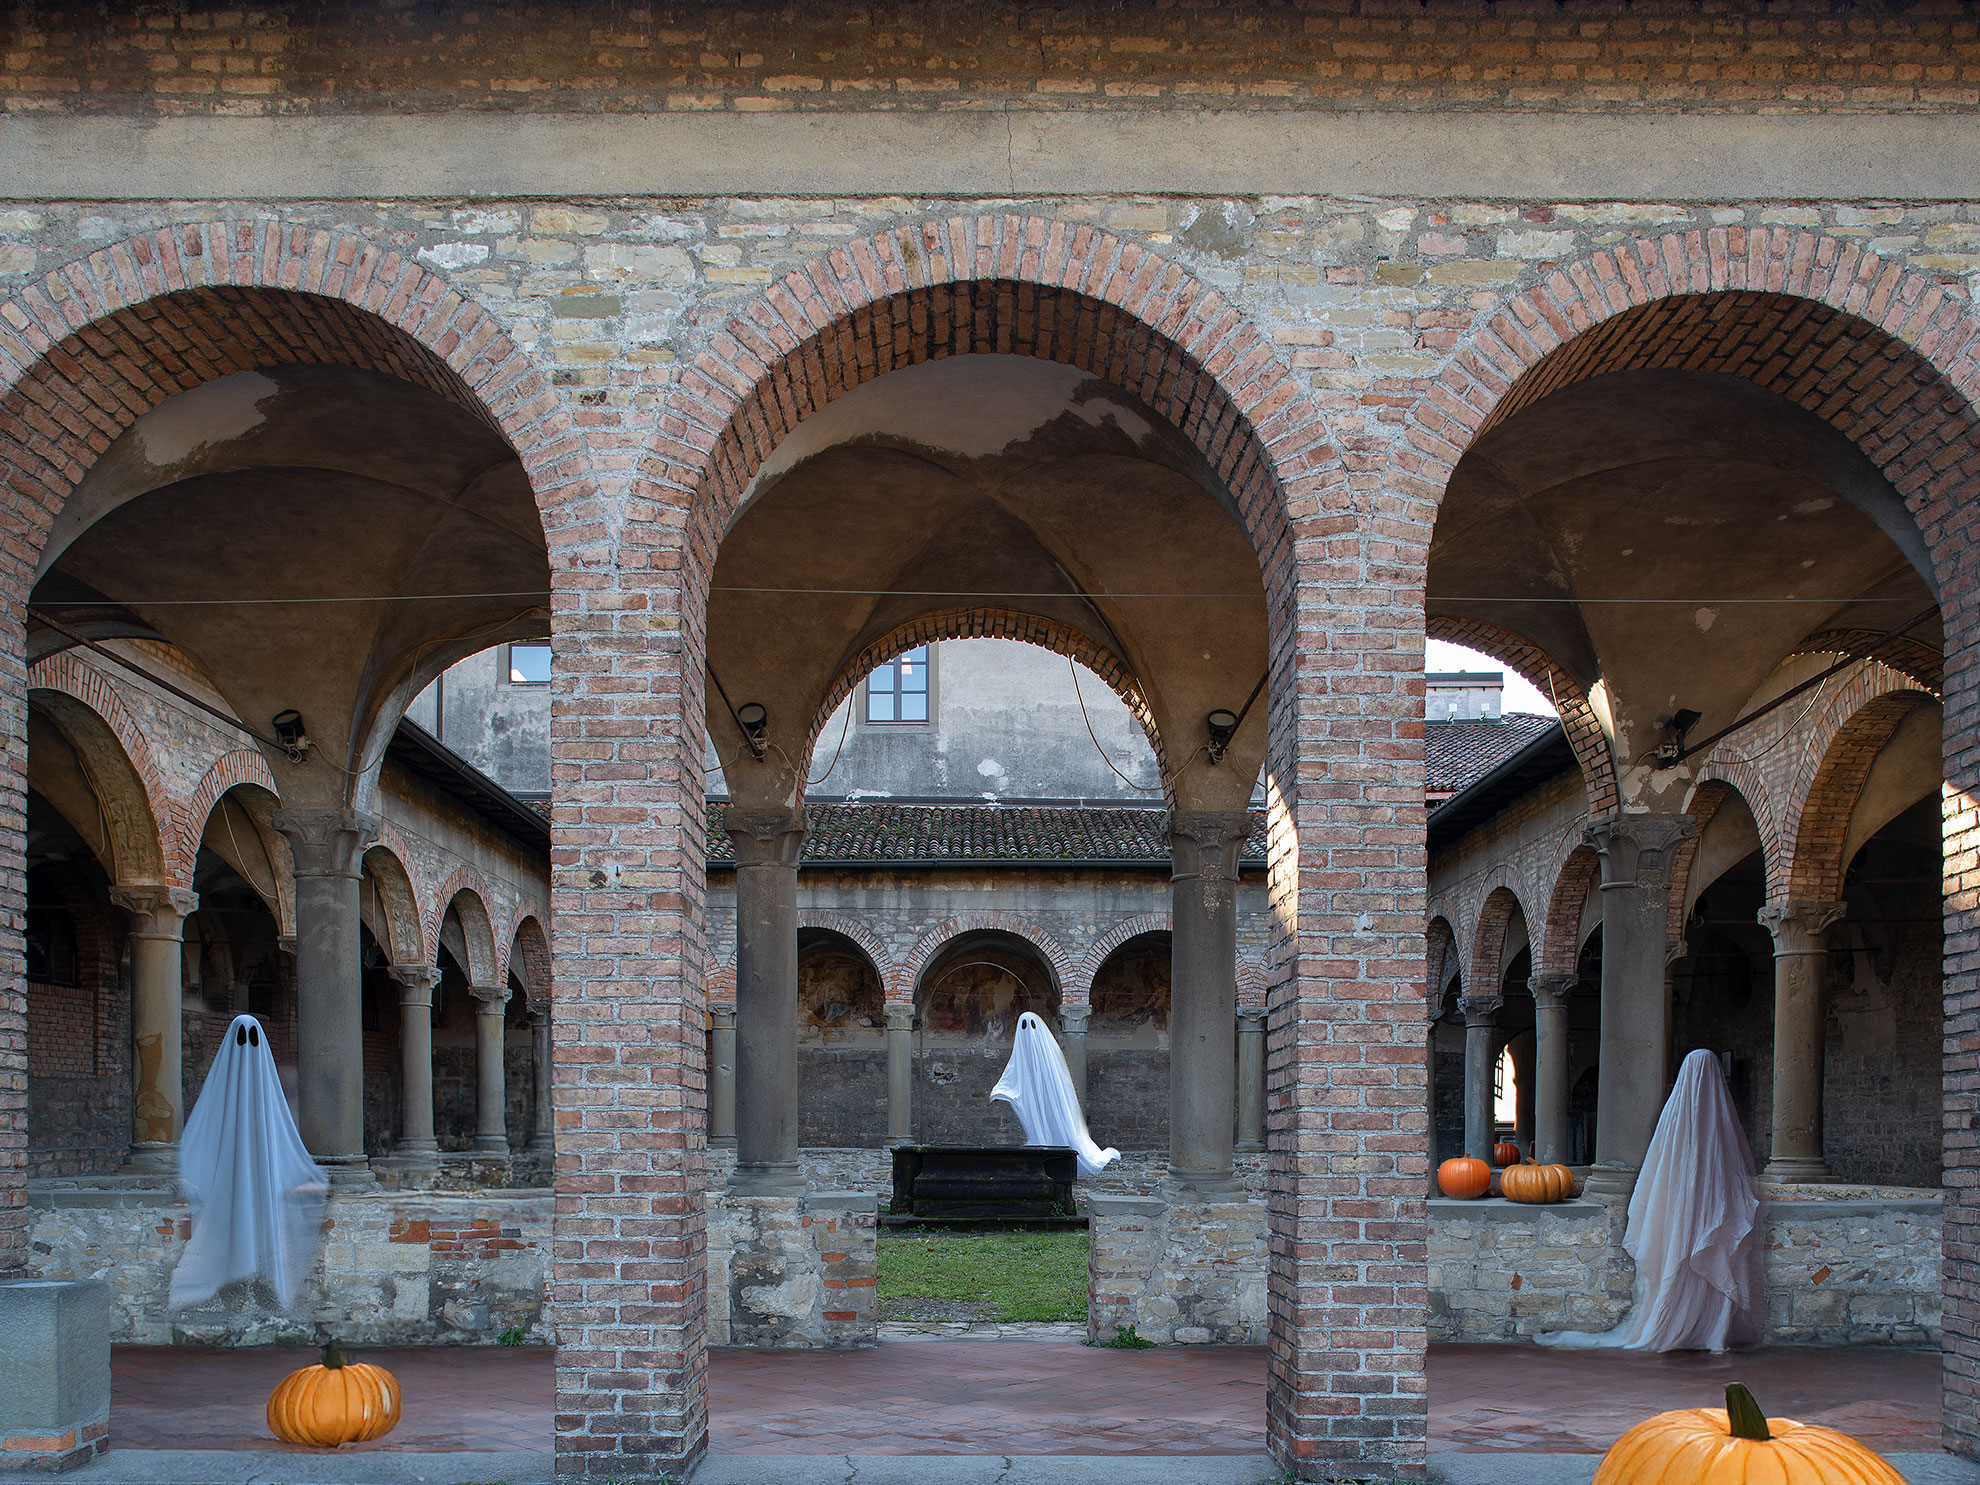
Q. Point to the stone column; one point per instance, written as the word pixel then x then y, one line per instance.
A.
pixel 328 846
pixel 491 1117
pixel 1800 1021
pixel 1636 852
pixel 1203 998
pixel 1251 1078
pixel 543 1132
pixel 1074 1018
pixel 1550 1065
pixel 900 1073
pixel 417 1148
pixel 158 1109
pixel 722 1074
pixel 767 845
pixel 1481 1019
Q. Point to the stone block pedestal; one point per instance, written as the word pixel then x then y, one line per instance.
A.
pixel 1180 1272
pixel 792 1272
pixel 54 1373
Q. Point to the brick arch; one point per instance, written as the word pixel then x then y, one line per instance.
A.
pixel 1584 729
pixel 529 945
pixel 1488 940
pixel 1253 988
pixel 145 819
pixel 1559 945
pixel 901 989
pixel 1843 743
pixel 721 983
pixel 388 872
pixel 984 622
pixel 853 929
pixel 466 885
pixel 1719 780
pixel 1079 989
pixel 1440 947
pixel 1914 657
pixel 1883 353
pixel 228 771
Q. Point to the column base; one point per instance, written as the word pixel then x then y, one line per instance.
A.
pixel 1249 1147
pixel 767 1178
pixel 1611 1179
pixel 721 1142
pixel 1797 1170
pixel 1202 1185
pixel 348 1173
pixel 151 1158
pixel 491 1147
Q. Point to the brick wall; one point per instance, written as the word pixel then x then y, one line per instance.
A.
pixel 1796 55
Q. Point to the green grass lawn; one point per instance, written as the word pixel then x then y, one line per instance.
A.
pixel 994 1275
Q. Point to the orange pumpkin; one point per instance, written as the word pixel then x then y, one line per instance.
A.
pixel 1467 1178
pixel 1536 1184
pixel 1505 1153
pixel 335 1402
pixel 1736 1444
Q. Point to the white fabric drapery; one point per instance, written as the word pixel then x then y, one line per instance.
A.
pixel 255 1193
pixel 1692 1228
pixel 1038 1086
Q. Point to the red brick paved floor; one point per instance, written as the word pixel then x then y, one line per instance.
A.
pixel 1036 1397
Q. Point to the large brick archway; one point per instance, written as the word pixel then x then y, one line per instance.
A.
pixel 1029 285
pixel 1890 357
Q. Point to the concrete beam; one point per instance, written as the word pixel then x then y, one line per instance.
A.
pixel 1474 156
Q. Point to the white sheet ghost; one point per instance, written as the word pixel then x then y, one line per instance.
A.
pixel 1691 1228
pixel 1038 1087
pixel 255 1193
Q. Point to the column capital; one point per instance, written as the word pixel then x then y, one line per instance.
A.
pixel 492 997
pixel 1207 843
pixel 1798 924
pixel 1479 1010
pixel 722 1015
pixel 1637 850
pixel 161 912
pixel 327 843
pixel 1252 1017
pixel 416 982
pixel 765 837
pixel 1074 1018
pixel 1551 990
pixel 900 1017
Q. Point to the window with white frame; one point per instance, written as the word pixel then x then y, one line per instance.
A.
pixel 898 690
pixel 526 665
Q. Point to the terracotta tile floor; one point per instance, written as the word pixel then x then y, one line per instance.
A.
pixel 1037 1397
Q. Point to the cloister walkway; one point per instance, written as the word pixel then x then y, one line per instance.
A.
pixel 1038 1397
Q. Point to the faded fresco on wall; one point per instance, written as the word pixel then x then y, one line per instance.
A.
pixel 1131 991
pixel 976 992
pixel 839 995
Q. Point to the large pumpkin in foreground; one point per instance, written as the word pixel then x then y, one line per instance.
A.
pixel 1536 1184
pixel 334 1402
pixel 1467 1178
pixel 1738 1445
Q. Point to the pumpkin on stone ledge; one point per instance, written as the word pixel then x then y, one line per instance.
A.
pixel 1505 1153
pixel 334 1402
pixel 1537 1185
pixel 1737 1445
pixel 1466 1178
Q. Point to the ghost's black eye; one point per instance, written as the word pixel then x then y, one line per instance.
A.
pixel 254 1037
pixel 240 1036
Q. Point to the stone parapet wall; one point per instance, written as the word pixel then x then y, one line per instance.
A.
pixel 396 1268
pixel 1499 1270
pixel 1181 1273
pixel 793 1272
pixel 1863 1272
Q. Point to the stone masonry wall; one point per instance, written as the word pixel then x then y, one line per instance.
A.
pixel 791 1273
pixel 1186 1274
pixel 399 1268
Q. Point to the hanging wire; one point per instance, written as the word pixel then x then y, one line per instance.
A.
pixel 1143 788
pixel 813 783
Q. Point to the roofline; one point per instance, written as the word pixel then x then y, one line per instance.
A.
pixel 1471 804
pixel 994 863
pixel 420 752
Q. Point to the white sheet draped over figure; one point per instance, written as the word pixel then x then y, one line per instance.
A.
pixel 1038 1087
pixel 1691 1228
pixel 255 1193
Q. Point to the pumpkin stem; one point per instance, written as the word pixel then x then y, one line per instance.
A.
pixel 1743 1416
pixel 332 1357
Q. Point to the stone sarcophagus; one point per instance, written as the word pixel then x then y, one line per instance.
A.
pixel 988 1181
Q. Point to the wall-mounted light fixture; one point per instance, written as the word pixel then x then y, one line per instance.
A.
pixel 1671 749
pixel 289 733
pixel 1223 726
pixel 754 719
